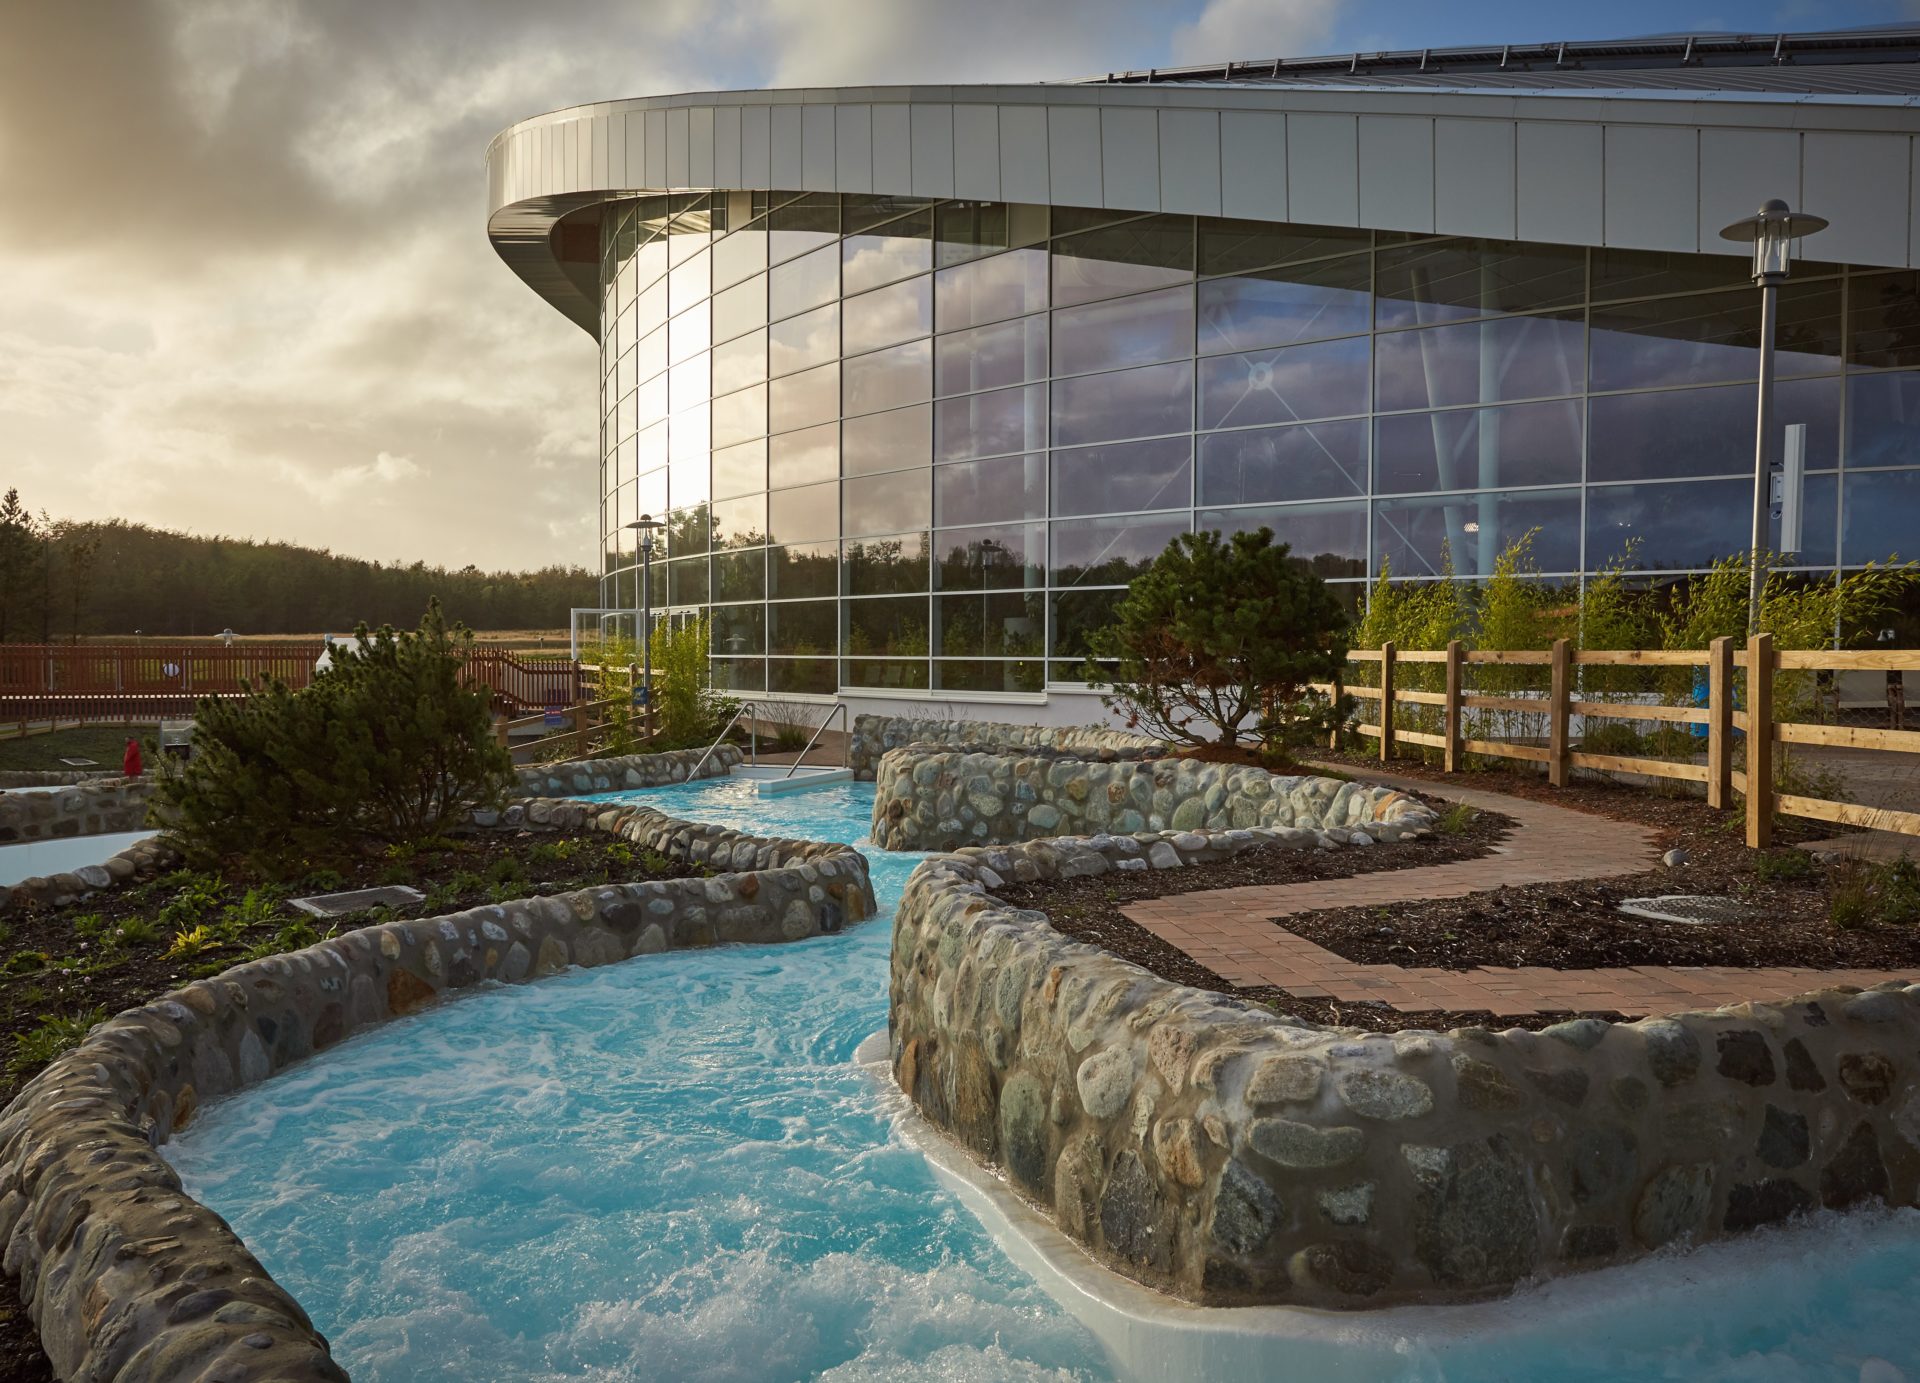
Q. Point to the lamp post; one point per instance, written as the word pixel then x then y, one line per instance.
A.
pixel 1772 229
pixel 646 525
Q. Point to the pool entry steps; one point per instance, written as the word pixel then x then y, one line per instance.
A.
pixel 128 1277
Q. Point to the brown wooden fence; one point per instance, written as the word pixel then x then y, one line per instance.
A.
pixel 1737 710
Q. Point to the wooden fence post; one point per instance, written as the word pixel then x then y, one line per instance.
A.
pixel 1454 728
pixel 1386 701
pixel 580 718
pixel 1760 741
pixel 1720 724
pixel 1339 689
pixel 1558 713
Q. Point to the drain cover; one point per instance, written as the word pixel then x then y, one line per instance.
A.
pixel 1698 909
pixel 359 900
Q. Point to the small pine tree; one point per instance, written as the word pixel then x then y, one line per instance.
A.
pixel 1217 641
pixel 387 747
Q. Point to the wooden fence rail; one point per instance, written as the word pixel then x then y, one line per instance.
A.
pixel 1731 715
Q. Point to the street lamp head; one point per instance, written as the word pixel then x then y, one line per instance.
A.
pixel 648 521
pixel 1773 229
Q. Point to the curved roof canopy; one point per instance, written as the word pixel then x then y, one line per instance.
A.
pixel 1629 162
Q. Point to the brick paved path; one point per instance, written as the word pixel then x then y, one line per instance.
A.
pixel 1229 930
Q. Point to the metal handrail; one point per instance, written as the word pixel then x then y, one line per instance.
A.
pixel 839 709
pixel 753 740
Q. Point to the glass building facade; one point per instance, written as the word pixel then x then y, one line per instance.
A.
pixel 922 446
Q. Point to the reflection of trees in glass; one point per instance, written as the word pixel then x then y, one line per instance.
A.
pixel 895 628
pixel 691 530
pixel 883 566
pixel 1886 327
pixel 805 571
pixel 983 563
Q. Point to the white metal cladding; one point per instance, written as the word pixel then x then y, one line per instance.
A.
pixel 1626 169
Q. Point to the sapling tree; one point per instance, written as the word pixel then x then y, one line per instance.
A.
pixel 1217 641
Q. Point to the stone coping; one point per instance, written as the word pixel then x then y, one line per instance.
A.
pixel 57 777
pixel 140 860
pixel 1232 1155
pixel 624 771
pixel 938 798
pixel 98 806
pixel 128 1278
pixel 874 735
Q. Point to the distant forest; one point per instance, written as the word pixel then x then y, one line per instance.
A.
pixel 60 580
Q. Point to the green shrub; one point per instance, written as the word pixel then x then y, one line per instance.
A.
pixel 54 1034
pixel 1869 893
pixel 25 962
pixel 386 746
pixel 136 930
pixel 1456 819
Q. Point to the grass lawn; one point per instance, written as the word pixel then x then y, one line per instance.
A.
pixel 103 743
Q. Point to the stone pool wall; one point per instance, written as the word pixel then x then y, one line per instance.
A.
pixel 42 778
pixel 930 797
pixel 623 771
pixel 93 808
pixel 874 735
pixel 1231 1154
pixel 140 860
pixel 129 1278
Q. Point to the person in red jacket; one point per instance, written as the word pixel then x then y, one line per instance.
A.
pixel 130 765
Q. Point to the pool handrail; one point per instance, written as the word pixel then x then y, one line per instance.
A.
pixel 839 709
pixel 753 739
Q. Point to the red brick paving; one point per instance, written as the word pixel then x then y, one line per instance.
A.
pixel 1230 931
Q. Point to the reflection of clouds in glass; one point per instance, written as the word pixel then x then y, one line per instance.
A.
pixel 889 503
pixel 1006 420
pixel 1279 306
pixel 1293 384
pixel 887 315
pixel 986 290
pixel 1126 403
pixel 1480 362
pixel 870 260
pixel 807 340
pixel 890 378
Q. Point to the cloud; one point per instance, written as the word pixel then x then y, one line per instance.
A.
pixel 1238 30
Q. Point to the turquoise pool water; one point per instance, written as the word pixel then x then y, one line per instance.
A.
pixel 671 1170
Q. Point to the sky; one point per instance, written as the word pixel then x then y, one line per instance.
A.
pixel 245 285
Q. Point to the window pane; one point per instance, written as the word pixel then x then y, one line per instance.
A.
pixel 804 399
pixel 689 440
pixel 1152 252
pixel 1704 431
pixel 650 355
pixel 1675 526
pixel 689 383
pixel 992 357
pixel 894 251
pixel 990 626
pixel 1884 328
pixel 888 315
pixel 1007 285
pixel 803 627
pixel 1126 403
pixel 804 514
pixel 1647 273
pixel 1276 307
pixel 1328 539
pixel 798 343
pixel 1141 330
pixel 1882 517
pixel 689 334
pixel 805 569
pixel 888 503
pixel 1267 464
pixel 1109 552
pixel 740 254
pixel 986 424
pixel 1006 487
pixel 889 627
pixel 689 530
pixel 799 458
pixel 740 575
pixel 1024 676
pixel 884 441
pixel 1413 535
pixel 1009 556
pixel 803 283
pixel 1124 477
pixel 739 674
pixel 889 378
pixel 1883 419
pixel 1231 247
pixel 1292 384
pixel 1714 336
pixel 740 522
pixel 1434 281
pixel 808 676
pixel 1480 362
pixel 1075 614
pixel 801 225
pixel 692 282
pixel 967 230
pixel 738 629
pixel 687 581
pixel 741 308
pixel 650 493
pixel 740 417
pixel 1478 449
pixel 740 362
pixel 885 566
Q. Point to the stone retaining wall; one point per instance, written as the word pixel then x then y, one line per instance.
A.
pixel 874 735
pixel 92 808
pixel 43 778
pixel 623 771
pixel 1229 1154
pixel 937 798
pixel 129 1278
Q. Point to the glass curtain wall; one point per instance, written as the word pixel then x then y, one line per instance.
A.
pixel 916 446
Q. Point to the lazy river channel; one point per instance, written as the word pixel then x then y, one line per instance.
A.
pixel 673 1169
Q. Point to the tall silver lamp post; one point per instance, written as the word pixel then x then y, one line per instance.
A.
pixel 647 525
pixel 1772 229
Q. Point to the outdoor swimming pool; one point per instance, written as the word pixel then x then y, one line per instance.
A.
pixel 671 1169
pixel 32 858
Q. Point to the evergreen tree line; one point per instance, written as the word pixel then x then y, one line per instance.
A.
pixel 61 580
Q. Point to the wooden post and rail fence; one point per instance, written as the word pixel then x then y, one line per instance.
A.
pixel 1733 715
